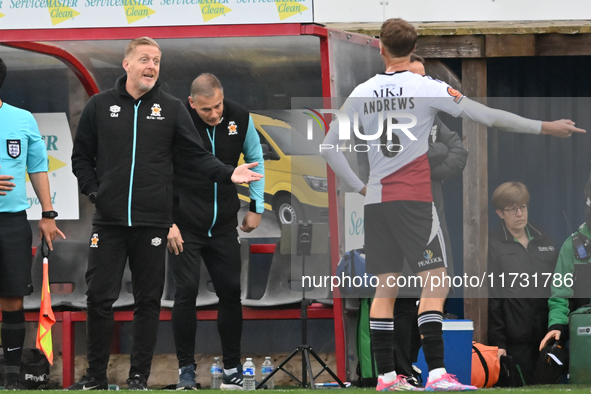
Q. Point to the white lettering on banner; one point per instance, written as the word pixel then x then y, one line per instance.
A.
pixel 345 128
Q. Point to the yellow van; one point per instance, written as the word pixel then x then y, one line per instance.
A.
pixel 295 173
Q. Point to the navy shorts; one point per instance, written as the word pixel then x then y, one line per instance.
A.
pixel 15 255
pixel 398 229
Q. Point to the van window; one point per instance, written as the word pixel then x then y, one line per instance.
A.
pixel 290 141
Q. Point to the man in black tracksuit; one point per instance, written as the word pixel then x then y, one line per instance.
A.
pixel 518 310
pixel 205 216
pixel 123 159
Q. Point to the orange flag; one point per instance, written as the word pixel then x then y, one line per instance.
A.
pixel 46 317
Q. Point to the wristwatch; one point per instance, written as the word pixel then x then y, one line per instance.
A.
pixel 92 197
pixel 49 214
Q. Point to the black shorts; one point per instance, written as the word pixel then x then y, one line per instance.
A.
pixel 15 255
pixel 398 229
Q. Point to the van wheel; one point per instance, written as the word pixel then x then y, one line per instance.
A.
pixel 288 210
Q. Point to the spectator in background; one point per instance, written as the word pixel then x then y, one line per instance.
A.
pixel 123 159
pixel 566 299
pixel 22 152
pixel 447 158
pixel 517 314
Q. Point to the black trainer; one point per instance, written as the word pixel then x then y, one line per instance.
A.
pixel 87 382
pixel 15 386
pixel 233 381
pixel 137 382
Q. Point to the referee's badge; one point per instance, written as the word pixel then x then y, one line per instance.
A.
pixel 13 147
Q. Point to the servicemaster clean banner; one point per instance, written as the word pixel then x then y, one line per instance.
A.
pixel 42 14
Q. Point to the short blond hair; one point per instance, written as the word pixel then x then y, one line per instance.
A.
pixel 139 41
pixel 510 194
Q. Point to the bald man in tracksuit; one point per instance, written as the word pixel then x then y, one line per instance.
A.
pixel 205 216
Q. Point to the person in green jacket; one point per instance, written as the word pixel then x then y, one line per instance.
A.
pixel 569 284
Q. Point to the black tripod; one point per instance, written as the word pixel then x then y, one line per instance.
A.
pixel 304 248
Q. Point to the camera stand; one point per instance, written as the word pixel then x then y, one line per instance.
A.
pixel 304 248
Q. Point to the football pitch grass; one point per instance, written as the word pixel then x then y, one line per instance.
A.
pixel 549 389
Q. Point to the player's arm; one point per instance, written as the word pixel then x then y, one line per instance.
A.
pixel 253 153
pixel 337 161
pixel 510 122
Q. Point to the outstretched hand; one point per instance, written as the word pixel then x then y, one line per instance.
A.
pixel 562 128
pixel 243 174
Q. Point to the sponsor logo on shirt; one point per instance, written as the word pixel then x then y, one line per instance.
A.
pixel 232 128
pixel 455 94
pixel 115 109
pixel 94 241
pixel 156 112
pixel 546 248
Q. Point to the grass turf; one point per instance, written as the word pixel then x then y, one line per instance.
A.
pixel 550 389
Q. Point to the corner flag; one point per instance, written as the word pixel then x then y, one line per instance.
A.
pixel 46 316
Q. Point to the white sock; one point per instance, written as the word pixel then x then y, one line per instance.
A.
pixel 389 377
pixel 436 373
pixel 230 371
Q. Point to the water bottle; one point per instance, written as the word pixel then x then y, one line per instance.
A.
pixel 249 372
pixel 266 370
pixel 216 373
